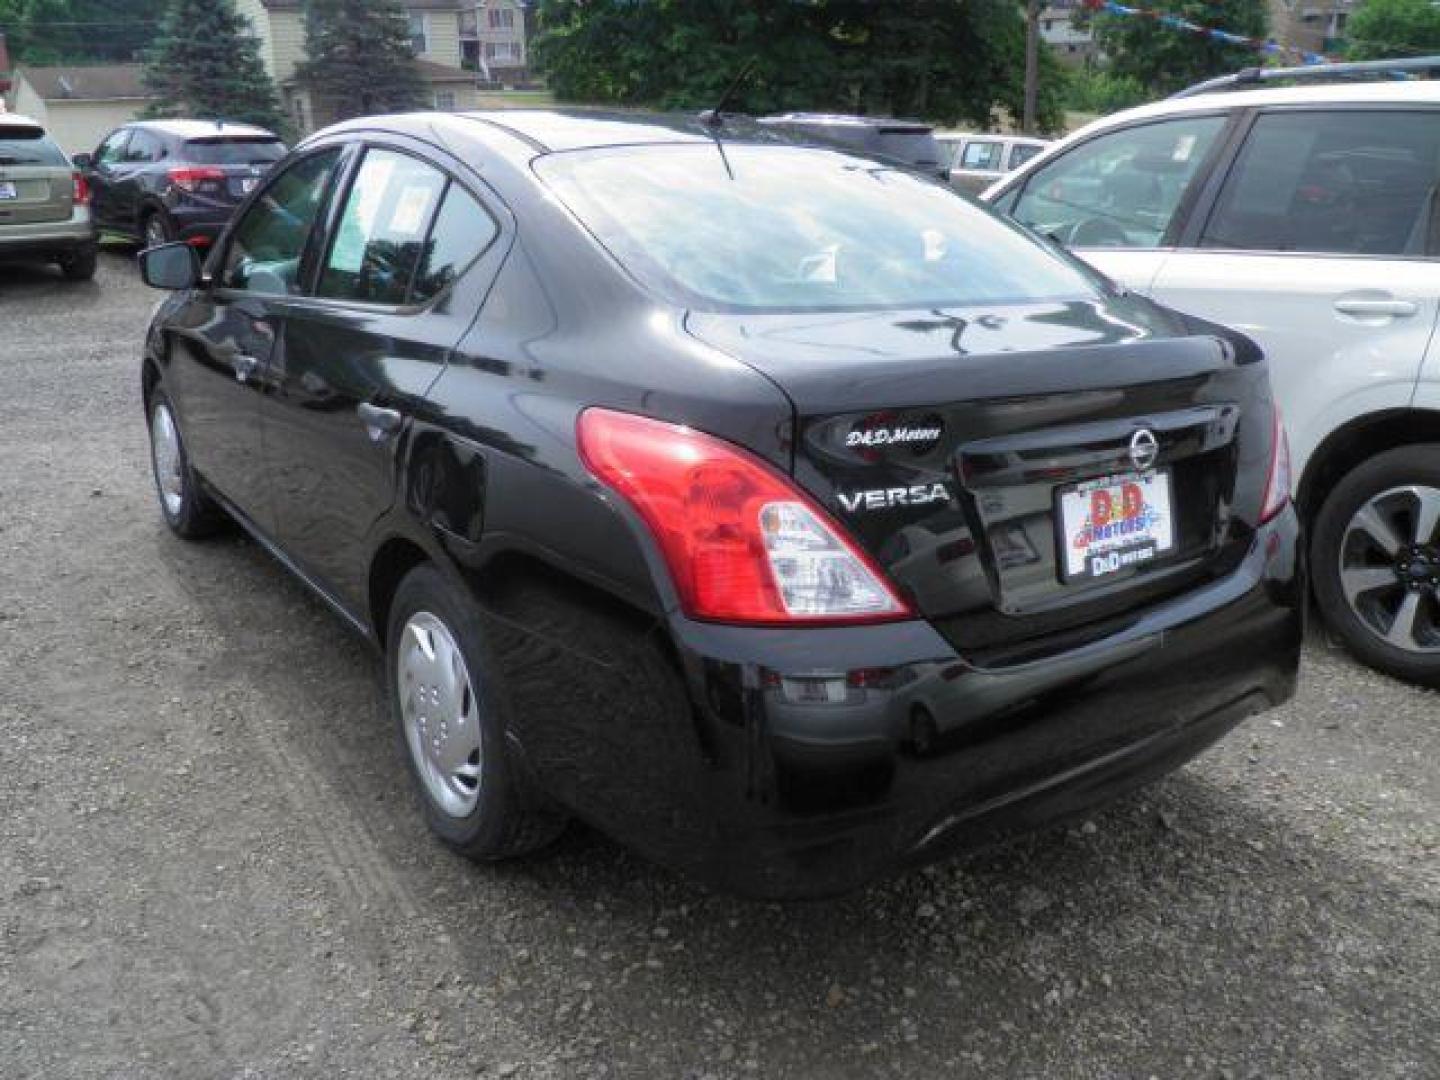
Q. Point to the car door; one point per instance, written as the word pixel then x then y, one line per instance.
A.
pixel 1321 243
pixel 103 169
pixel 232 327
pixel 385 312
pixel 1118 198
pixel 126 180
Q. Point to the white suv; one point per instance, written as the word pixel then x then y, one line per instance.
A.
pixel 1309 218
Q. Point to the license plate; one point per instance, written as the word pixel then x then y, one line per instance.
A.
pixel 7 190
pixel 1114 523
pixel 247 184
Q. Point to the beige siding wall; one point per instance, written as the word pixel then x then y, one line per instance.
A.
pixel 25 101
pixel 254 10
pixel 78 126
pixel 442 33
pixel 287 30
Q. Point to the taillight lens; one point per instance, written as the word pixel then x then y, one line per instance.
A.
pixel 82 190
pixel 192 178
pixel 1277 484
pixel 743 544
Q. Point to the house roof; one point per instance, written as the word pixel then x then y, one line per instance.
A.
pixel 110 82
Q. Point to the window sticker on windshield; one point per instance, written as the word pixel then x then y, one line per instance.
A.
pixel 411 209
pixel 1184 147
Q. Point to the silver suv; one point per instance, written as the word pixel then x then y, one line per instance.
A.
pixel 44 202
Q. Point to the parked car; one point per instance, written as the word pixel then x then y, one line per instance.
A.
pixel 600 427
pixel 909 141
pixel 161 180
pixel 1305 216
pixel 977 161
pixel 44 202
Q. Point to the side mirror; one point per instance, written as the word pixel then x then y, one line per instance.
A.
pixel 83 161
pixel 170 266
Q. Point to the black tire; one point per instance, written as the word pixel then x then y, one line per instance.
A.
pixel 80 264
pixel 156 228
pixel 1404 467
pixel 197 515
pixel 509 818
pixel 923 732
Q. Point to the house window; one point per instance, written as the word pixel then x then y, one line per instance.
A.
pixel 502 18
pixel 419 38
pixel 502 51
pixel 445 100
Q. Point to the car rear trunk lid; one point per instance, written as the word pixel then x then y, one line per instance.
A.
pixel 954 445
pixel 37 183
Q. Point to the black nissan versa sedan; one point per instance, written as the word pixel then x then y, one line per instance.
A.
pixel 780 513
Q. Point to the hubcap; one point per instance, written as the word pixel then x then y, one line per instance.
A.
pixel 440 713
pixel 167 459
pixel 1390 567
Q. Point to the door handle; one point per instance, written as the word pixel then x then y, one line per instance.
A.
pixel 246 367
pixel 1371 308
pixel 380 423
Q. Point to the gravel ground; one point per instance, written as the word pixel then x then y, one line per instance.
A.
pixel 210 865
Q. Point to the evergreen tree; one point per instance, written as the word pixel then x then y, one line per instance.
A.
pixel 359 58
pixel 206 63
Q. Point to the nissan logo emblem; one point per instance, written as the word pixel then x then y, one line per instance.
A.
pixel 1144 449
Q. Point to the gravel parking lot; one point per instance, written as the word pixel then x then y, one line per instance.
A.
pixel 210 866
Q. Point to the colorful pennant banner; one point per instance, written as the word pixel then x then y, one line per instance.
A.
pixel 1176 22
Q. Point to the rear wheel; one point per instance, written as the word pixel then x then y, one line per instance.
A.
pixel 157 229
pixel 79 265
pixel 448 703
pixel 188 511
pixel 1375 556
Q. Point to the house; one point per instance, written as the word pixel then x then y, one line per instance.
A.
pixel 1071 44
pixel 78 106
pixel 457 42
pixel 1316 26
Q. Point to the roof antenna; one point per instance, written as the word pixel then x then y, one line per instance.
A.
pixel 716 117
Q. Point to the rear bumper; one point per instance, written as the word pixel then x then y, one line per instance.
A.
pixel 732 781
pixel 47 238
pixel 200 224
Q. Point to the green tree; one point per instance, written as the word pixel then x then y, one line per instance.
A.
pixel 359 58
pixel 1164 59
pixel 206 63
pixel 942 60
pixel 78 31
pixel 1385 28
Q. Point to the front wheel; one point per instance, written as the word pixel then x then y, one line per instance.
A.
pixel 448 703
pixel 1375 556
pixel 187 509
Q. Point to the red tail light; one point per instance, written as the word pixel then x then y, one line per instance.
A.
pixel 1277 483
pixel 189 178
pixel 82 190
pixel 743 544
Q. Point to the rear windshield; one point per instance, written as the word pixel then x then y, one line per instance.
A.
pixel 29 146
pixel 794 228
pixel 234 151
pixel 916 147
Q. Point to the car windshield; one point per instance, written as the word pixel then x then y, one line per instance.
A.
pixel 29 146
pixel 792 228
pixel 234 151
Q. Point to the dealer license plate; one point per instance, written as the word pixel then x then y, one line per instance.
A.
pixel 1114 523
pixel 7 190
pixel 247 184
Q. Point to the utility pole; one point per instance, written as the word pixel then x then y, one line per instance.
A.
pixel 1032 65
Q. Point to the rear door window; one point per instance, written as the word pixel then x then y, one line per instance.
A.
pixel 1120 189
pixel 984 156
pixel 143 149
pixel 1342 182
pixel 29 146
pixel 382 233
pixel 234 151
pixel 1020 153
